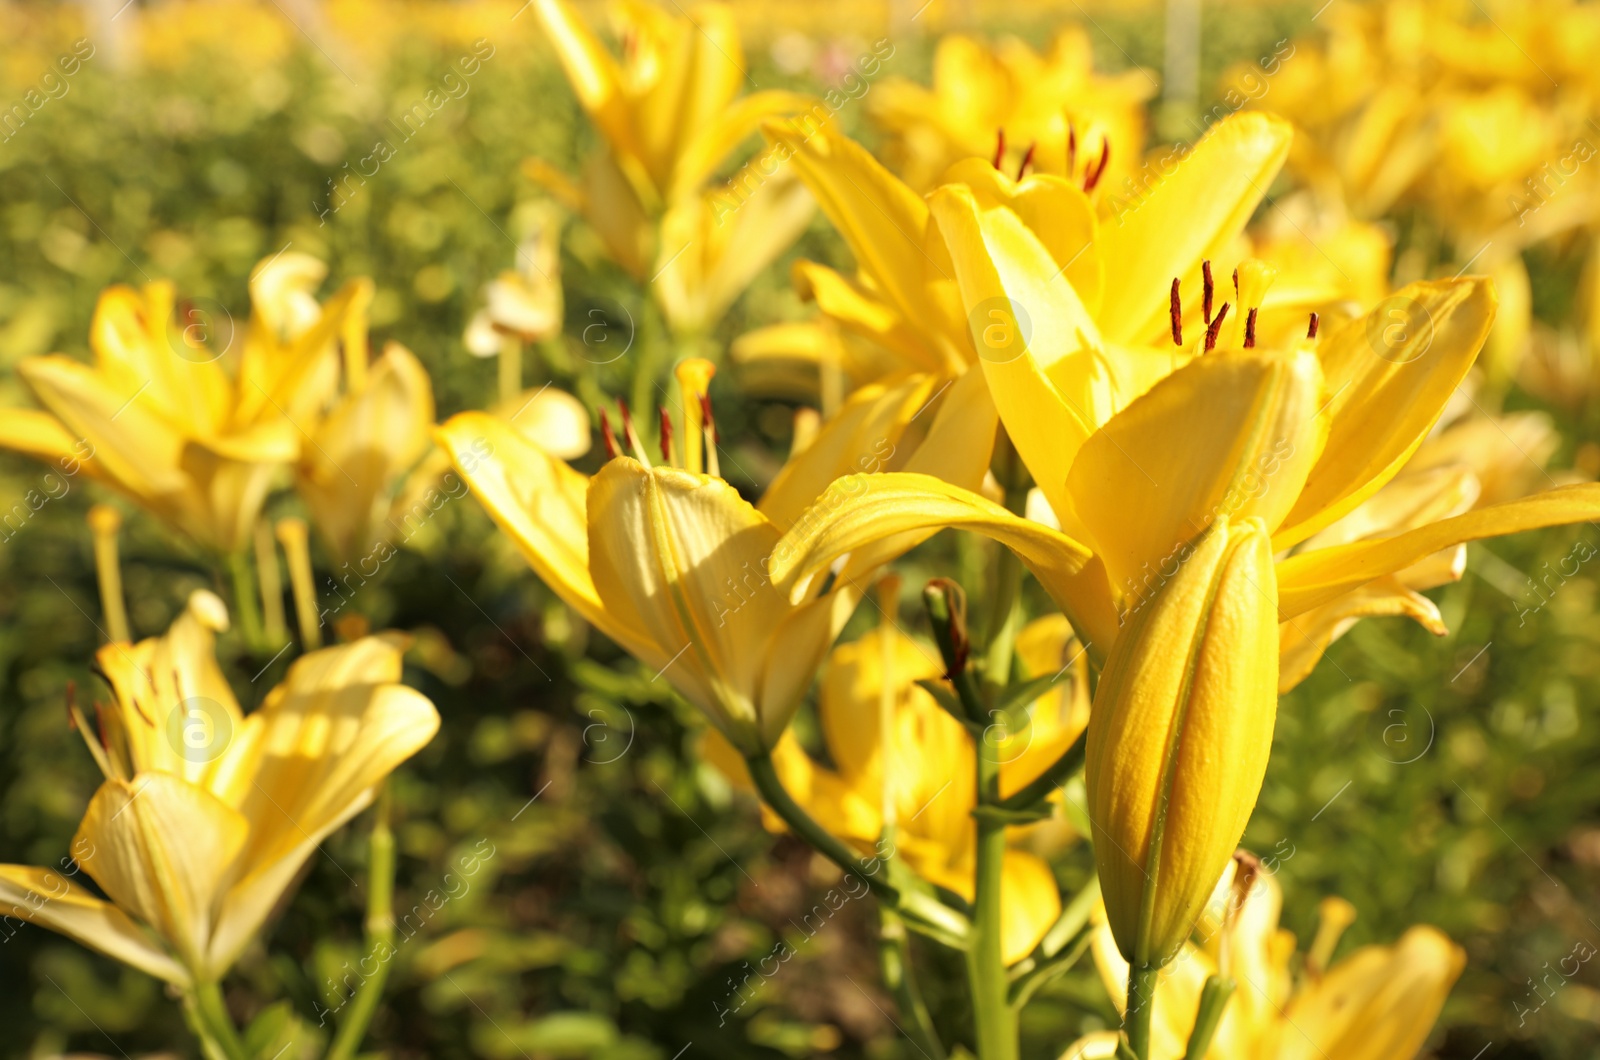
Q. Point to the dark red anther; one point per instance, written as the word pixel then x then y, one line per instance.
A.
pixel 1236 281
pixel 999 146
pixel 1210 288
pixel 610 439
pixel 1175 309
pixel 1311 332
pixel 1072 148
pixel 1099 169
pixel 1027 160
pixel 627 420
pixel 1216 326
pixel 1250 330
pixel 666 435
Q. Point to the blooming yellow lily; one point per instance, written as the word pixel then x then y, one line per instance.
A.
pixel 670 113
pixel 157 418
pixel 1053 109
pixel 671 562
pixel 207 815
pixel 1378 1003
pixel 930 792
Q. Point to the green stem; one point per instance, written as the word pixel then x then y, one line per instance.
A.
pixel 1141 1006
pixel 380 934
pixel 1213 1002
pixel 244 598
pixel 208 1018
pixel 993 1016
pixel 940 920
pixel 894 952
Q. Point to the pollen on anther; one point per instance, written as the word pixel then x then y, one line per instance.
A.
pixel 1250 329
pixel 1210 288
pixel 666 435
pixel 1175 310
pixel 1311 329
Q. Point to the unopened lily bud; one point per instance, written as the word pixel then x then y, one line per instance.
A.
pixel 1179 738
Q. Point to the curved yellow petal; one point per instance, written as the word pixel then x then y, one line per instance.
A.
pixel 1302 640
pixel 1030 901
pixel 542 503
pixel 161 848
pixel 1379 1003
pixel 881 219
pixel 1232 434
pixel 306 762
pixel 1190 215
pixel 712 142
pixel 1312 579
pixel 593 73
pixel 1388 375
pixel 47 898
pixel 551 419
pixel 864 312
pixel 863 510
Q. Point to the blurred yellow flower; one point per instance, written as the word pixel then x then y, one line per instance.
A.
pixel 670 113
pixel 1378 1003
pixel 930 791
pixel 207 815
pixel 524 303
pixel 156 416
pixel 1051 108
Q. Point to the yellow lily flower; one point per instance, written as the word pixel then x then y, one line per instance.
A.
pixel 157 418
pixel 671 562
pixel 670 113
pixel 1299 438
pixel 362 449
pixel 930 791
pixel 1377 1003
pixel 207 815
pixel 1052 108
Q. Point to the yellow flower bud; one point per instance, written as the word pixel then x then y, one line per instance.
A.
pixel 1180 734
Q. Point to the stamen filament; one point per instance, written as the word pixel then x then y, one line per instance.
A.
pixel 297 549
pixel 104 522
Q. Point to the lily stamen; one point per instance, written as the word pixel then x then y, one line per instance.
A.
pixel 1027 160
pixel 1250 329
pixel 1072 148
pixel 1215 327
pixel 713 465
pixel 1311 330
pixel 666 436
pixel 1099 170
pixel 1175 310
pixel 631 435
pixel 1210 289
pixel 999 147
pixel 608 437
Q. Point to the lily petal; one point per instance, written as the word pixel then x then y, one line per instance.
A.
pixel 1192 214
pixel 1311 579
pixel 1388 376
pixel 1232 433
pixel 46 898
pixel 1302 640
pixel 161 848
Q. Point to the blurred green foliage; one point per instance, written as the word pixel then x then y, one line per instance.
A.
pixel 629 892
